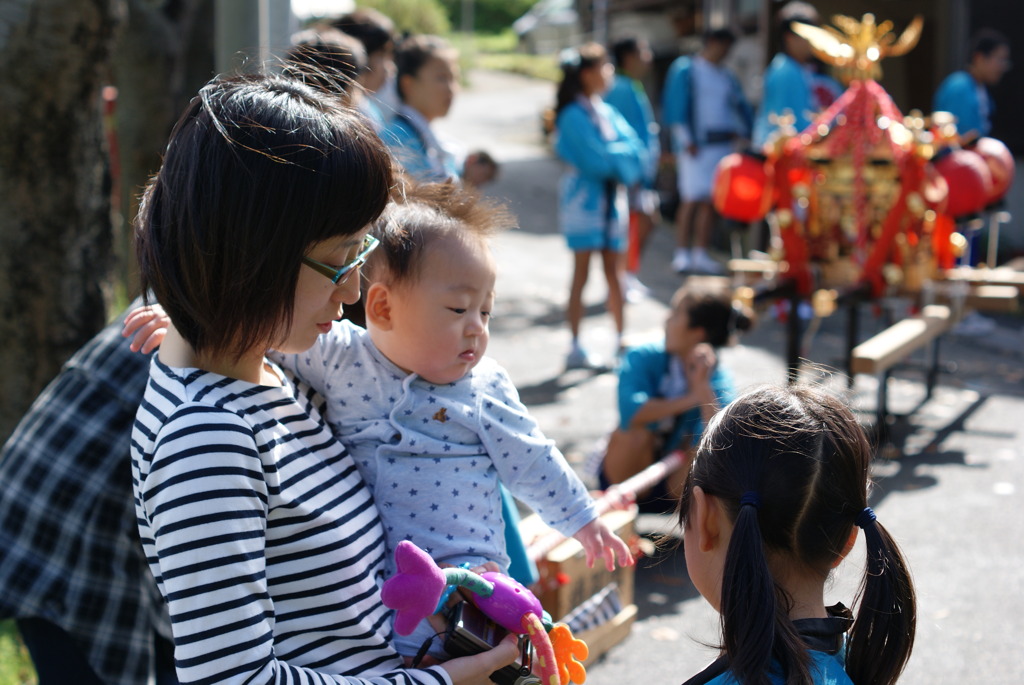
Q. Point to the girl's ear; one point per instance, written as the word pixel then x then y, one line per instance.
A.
pixel 707 513
pixel 378 306
pixel 850 542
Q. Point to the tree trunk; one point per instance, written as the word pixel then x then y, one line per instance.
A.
pixel 55 229
pixel 161 59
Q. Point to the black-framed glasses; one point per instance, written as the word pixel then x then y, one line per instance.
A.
pixel 341 273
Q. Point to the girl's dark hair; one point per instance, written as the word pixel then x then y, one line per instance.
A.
pixel 415 51
pixel 373 29
pixel 258 169
pixel 423 214
pixel 807 459
pixel 326 57
pixel 574 61
pixel 715 312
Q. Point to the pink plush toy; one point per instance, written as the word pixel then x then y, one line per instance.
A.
pixel 419 584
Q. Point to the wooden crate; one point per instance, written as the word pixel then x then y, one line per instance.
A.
pixel 610 633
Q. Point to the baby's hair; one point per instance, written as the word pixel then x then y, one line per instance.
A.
pixel 791 468
pixel 574 61
pixel 326 57
pixel 415 51
pixel 373 29
pixel 424 214
pixel 713 310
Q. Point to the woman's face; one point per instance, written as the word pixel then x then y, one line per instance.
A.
pixel 597 79
pixel 318 301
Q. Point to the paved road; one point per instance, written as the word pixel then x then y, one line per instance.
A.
pixel 953 497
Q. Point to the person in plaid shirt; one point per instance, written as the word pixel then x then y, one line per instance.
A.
pixel 72 571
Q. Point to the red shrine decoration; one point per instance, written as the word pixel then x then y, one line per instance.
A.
pixel 864 196
pixel 1000 162
pixel 969 179
pixel 742 187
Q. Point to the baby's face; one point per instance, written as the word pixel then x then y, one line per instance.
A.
pixel 440 322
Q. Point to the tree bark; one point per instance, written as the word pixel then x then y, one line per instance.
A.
pixel 161 59
pixel 55 229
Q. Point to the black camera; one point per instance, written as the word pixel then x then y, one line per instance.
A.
pixel 470 632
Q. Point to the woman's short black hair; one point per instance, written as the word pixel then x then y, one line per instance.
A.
pixel 259 168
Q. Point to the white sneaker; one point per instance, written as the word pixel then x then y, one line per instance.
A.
pixel 579 358
pixel 681 261
pixel 703 263
pixel 635 290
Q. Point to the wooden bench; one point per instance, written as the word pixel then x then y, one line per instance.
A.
pixel 880 353
pixel 981 296
pixel 1007 275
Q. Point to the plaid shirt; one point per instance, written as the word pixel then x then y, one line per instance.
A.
pixel 69 545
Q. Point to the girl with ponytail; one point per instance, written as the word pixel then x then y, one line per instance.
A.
pixel 774 500
pixel 603 157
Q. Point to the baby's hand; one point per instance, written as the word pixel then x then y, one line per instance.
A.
pixel 148 325
pixel 598 540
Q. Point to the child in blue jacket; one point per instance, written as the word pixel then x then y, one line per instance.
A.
pixel 604 157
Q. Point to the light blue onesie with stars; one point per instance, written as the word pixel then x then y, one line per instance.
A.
pixel 433 455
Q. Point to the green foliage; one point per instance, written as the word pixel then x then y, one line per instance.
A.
pixel 499 52
pixel 413 16
pixel 15 666
pixel 489 16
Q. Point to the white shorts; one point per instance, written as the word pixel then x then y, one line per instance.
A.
pixel 696 172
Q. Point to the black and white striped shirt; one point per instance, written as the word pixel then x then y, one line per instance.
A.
pixel 262 537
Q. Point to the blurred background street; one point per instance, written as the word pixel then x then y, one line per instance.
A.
pixel 951 494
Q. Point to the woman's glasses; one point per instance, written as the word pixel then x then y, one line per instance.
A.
pixel 340 274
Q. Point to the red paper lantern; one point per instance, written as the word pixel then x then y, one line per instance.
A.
pixel 1000 163
pixel 969 180
pixel 742 188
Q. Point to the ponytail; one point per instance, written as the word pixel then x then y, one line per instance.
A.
pixel 755 613
pixel 573 61
pixel 883 633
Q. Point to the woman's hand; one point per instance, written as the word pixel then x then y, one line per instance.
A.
pixel 148 325
pixel 599 540
pixel 476 669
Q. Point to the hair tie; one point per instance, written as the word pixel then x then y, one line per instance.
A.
pixel 569 58
pixel 752 498
pixel 865 518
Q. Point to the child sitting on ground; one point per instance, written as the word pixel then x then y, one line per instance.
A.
pixel 771 505
pixel 431 423
pixel 669 390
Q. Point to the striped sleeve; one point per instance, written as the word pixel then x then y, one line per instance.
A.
pixel 203 505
